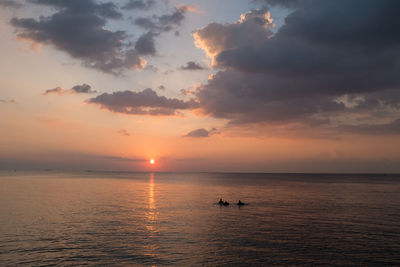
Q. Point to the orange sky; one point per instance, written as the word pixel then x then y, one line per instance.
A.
pixel 65 131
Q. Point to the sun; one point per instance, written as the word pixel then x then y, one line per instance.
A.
pixel 152 161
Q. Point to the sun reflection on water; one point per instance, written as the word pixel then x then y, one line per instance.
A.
pixel 151 193
pixel 152 219
pixel 151 214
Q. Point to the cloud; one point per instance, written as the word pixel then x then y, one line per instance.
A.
pixel 201 133
pixel 78 28
pixel 10 4
pixel 124 132
pixel 139 4
pixel 106 10
pixel 77 89
pixel 373 129
pixel 146 102
pixel 283 3
pixel 191 65
pixel 164 23
pixel 145 44
pixel 252 29
pixel 12 101
pixel 84 88
pixel 323 52
pixel 58 91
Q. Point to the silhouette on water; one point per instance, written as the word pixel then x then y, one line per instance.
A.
pixel 226 203
pixel 223 203
pixel 240 203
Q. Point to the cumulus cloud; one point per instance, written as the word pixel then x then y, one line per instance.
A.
pixel 201 133
pixel 139 4
pixel 146 102
pixel 324 52
pixel 251 29
pixel 78 28
pixel 191 65
pixel 77 89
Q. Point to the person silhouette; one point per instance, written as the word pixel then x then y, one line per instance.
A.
pixel 240 203
pixel 220 201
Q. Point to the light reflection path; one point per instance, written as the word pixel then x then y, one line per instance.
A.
pixel 151 193
pixel 152 220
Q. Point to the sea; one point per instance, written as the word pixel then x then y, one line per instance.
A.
pixel 53 218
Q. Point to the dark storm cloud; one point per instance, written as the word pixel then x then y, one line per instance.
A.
pixel 324 51
pixel 77 89
pixel 139 4
pixel 163 23
pixel 10 4
pixel 191 65
pixel 146 102
pixel 78 28
pixel 200 133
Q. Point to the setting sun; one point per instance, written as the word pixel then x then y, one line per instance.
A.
pixel 152 161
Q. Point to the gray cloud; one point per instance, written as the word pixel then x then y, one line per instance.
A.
pixel 146 102
pixel 201 133
pixel 284 3
pixel 105 10
pixel 84 88
pixel 191 65
pixel 78 28
pixel 324 52
pixel 57 90
pixel 77 89
pixel 163 23
pixel 373 129
pixel 145 44
pixel 10 4
pixel 139 4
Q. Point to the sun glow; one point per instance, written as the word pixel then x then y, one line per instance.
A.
pixel 152 161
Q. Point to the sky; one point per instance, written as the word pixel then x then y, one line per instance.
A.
pixel 227 85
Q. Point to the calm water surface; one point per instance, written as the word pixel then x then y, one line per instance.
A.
pixel 122 219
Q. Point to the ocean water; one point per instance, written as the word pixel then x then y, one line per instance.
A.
pixel 160 219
